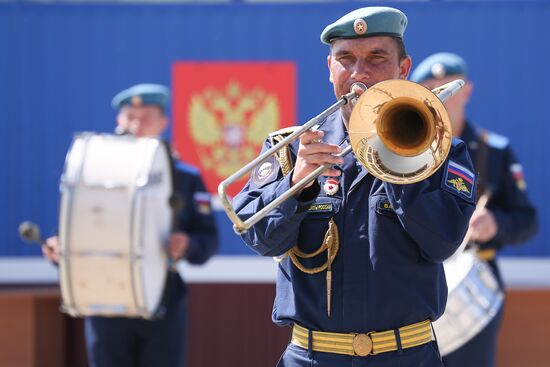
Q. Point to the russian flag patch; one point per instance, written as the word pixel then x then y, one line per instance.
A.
pixel 459 180
pixel 517 173
pixel 202 202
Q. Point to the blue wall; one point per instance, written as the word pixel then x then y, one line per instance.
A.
pixel 61 64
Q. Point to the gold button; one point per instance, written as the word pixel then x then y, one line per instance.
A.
pixel 362 345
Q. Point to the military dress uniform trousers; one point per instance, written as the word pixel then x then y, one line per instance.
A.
pixel 134 342
pixel 426 355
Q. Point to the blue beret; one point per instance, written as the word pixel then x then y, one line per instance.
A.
pixel 142 94
pixel 438 66
pixel 366 22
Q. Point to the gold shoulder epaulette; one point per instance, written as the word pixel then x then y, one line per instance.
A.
pixel 284 131
pixel 283 156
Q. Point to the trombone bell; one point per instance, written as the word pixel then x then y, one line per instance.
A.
pixel 400 131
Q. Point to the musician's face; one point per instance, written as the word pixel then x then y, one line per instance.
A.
pixel 368 60
pixel 142 121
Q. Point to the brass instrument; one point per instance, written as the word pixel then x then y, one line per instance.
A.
pixel 399 131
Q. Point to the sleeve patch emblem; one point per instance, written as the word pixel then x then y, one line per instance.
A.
pixel 517 173
pixel 202 201
pixel 266 172
pixel 459 180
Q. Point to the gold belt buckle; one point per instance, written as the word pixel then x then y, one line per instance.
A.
pixel 362 345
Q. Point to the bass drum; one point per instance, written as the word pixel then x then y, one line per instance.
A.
pixel 115 220
pixel 475 297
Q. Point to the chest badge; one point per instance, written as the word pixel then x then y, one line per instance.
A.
pixel 331 186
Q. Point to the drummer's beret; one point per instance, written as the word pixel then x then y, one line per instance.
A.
pixel 438 66
pixel 367 22
pixel 142 95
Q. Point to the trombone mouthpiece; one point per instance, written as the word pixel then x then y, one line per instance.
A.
pixel 352 96
pixel 360 85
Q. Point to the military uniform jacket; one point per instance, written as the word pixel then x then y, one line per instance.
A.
pixel 195 219
pixel 393 239
pixel 503 176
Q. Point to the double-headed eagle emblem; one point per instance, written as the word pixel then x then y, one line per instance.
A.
pixel 229 126
pixel 459 185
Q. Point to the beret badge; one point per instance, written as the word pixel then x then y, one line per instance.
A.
pixel 360 26
pixel 137 101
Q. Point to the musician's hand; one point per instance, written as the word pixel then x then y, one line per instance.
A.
pixel 313 153
pixel 178 245
pixel 50 249
pixel 483 226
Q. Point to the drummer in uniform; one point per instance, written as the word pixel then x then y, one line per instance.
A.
pixel 508 218
pixel 128 342
pixel 360 274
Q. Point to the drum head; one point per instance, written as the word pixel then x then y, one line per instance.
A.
pixel 457 268
pixel 474 299
pixel 115 221
pixel 153 230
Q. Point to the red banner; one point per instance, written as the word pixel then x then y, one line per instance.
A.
pixel 223 112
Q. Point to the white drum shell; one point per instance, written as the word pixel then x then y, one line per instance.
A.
pixel 474 299
pixel 115 220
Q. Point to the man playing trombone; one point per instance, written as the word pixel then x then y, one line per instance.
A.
pixel 360 273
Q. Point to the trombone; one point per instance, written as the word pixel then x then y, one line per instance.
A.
pixel 399 131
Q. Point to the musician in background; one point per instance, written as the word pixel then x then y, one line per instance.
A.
pixel 129 342
pixel 508 218
pixel 360 274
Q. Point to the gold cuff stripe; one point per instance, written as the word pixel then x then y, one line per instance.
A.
pixel 384 341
